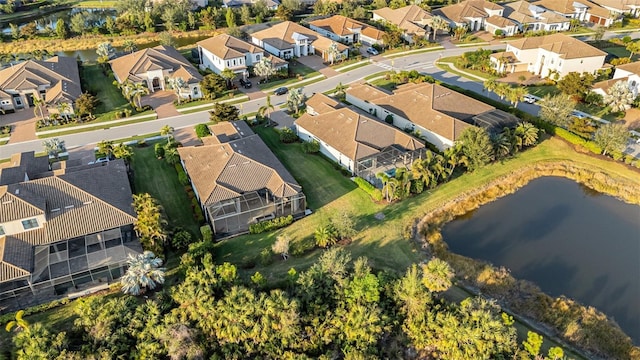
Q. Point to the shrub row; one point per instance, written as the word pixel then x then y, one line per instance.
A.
pixel 5 318
pixel 363 184
pixel 269 225
pixel 182 175
pixel 577 140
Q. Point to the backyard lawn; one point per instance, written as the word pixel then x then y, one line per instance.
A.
pixel 160 179
pixel 109 97
pixel 543 90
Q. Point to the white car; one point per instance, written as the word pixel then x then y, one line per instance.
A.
pixel 372 51
pixel 100 161
pixel 529 99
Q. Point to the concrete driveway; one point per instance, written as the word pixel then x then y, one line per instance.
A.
pixel 316 63
pixel 162 102
pixel 23 125
pixel 282 119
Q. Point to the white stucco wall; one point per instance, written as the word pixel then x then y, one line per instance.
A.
pixel 588 64
pixel 326 149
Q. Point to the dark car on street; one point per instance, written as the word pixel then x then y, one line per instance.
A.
pixel 281 91
pixel 245 83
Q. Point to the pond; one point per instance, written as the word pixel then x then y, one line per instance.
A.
pixel 566 238
pixel 93 18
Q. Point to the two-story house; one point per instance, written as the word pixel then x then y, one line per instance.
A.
pixel 55 80
pixel 153 67
pixel 472 14
pixel 582 10
pixel 413 20
pixel 347 31
pixel 288 39
pixel 227 52
pixel 629 73
pixel 549 55
pixel 530 17
pixel 620 7
pixel 62 231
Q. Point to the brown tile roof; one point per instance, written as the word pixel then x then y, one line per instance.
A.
pixel 157 58
pixel 521 12
pixel 280 36
pixel 321 103
pixel 224 171
pixel 622 5
pixel 433 107
pixel 226 131
pixel 633 67
pixel 77 203
pixel 566 46
pixel 355 134
pixel 507 56
pixel 410 18
pixel 606 84
pixel 228 47
pixel 599 11
pixel 561 6
pixel 499 21
pixel 342 25
pixel 366 92
pixel 59 73
pixel 467 9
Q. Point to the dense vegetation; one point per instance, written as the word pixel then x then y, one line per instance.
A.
pixel 338 308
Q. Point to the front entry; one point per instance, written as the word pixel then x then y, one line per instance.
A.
pixel 156 84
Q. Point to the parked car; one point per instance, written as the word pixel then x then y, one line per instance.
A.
pixel 372 51
pixel 245 83
pixel 529 99
pixel 579 115
pixel 281 91
pixel 100 161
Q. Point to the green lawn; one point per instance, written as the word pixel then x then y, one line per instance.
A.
pixel 619 51
pixel 543 90
pixel 160 179
pixel 384 83
pixel 295 68
pixel 109 97
pixel 96 4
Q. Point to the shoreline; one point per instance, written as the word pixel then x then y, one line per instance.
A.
pixel 500 285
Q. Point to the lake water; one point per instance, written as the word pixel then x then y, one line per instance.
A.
pixel 566 238
pixel 94 17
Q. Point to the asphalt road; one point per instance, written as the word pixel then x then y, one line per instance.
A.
pixel 423 63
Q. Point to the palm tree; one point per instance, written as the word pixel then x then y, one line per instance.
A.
pixel 295 100
pixel 502 90
pixel 503 143
pixel 129 46
pixel 439 23
pixel 325 236
pixel 516 94
pixel 437 275
pixel 339 91
pixel 38 107
pixel 18 323
pixel 527 133
pixel 65 109
pixel 53 147
pixel 333 53
pixel 105 147
pixel 389 185
pixel 633 48
pixel 228 75
pixel 144 272
pixel 172 156
pixel 167 131
pixel 126 87
pixel 122 151
pixel 266 108
pixel 490 84
pixel 422 171
pixel 136 91
pixel 403 177
pixel 176 83
pixel 264 68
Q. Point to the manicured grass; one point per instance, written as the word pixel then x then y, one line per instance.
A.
pixel 413 52
pixel 375 75
pixel 619 51
pixel 543 90
pixel 109 97
pixel 71 130
pixel 96 4
pixel 447 66
pixel 353 66
pixel 295 68
pixel 158 178
pixel 403 49
pixel 384 83
pixel 272 85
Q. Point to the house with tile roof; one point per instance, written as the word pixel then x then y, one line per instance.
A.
pixel 413 20
pixel 154 66
pixel 583 10
pixel 629 73
pixel 620 7
pixel 438 113
pixel 347 31
pixel 547 55
pixel 271 4
pixel 227 52
pixel 470 13
pixel 355 140
pixel 530 17
pixel 239 181
pixel 64 230
pixel 56 80
pixel 288 39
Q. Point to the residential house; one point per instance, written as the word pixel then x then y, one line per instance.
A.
pixel 195 4
pixel 271 4
pixel 583 10
pixel 535 18
pixel 227 52
pixel 64 231
pixel 55 80
pixel 239 181
pixel 629 73
pixel 347 31
pixel 438 113
pixel 548 55
pixel 620 7
pixel 363 145
pixel 471 14
pixel 288 39
pixel 412 20
pixel 153 67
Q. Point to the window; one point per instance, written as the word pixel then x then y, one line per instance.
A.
pixel 195 91
pixel 1 230
pixel 258 57
pixel 30 224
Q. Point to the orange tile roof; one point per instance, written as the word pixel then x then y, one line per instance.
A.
pixel 158 58
pixel 633 67
pixel 566 46
pixel 410 18
pixel 467 9
pixel 280 36
pixel 342 25
pixel 228 47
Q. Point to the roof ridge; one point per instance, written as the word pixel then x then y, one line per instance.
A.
pixel 25 201
pixel 89 194
pixel 21 270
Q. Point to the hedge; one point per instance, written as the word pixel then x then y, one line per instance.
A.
pixel 577 140
pixel 207 234
pixel 182 176
pixel 269 225
pixel 363 184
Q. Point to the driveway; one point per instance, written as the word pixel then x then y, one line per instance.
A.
pixel 162 102
pixel 253 92
pixel 23 125
pixel 316 63
pixel 283 119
